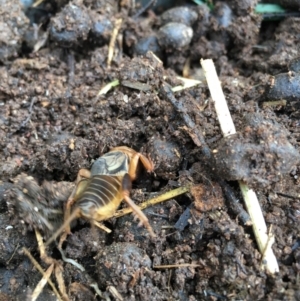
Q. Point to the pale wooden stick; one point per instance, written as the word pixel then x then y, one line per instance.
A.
pixel 250 198
pixel 39 288
pixel 217 95
pixel 40 269
pixel 112 41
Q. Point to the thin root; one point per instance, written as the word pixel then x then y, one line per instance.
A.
pixel 71 261
pixel 173 266
pixel 37 3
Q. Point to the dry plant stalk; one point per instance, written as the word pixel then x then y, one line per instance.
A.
pixel 112 41
pixel 156 200
pixel 40 269
pixel 39 288
pixel 269 261
pixel 37 3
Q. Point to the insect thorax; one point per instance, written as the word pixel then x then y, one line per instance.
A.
pixel 114 163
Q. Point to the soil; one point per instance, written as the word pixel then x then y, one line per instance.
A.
pixel 54 121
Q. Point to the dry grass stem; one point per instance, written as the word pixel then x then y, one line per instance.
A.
pixel 156 200
pixel 40 269
pixel 112 41
pixel 115 293
pixel 250 198
pixel 39 288
pixel 37 3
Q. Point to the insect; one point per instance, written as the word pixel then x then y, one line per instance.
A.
pixel 99 191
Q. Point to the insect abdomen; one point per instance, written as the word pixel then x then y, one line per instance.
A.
pixel 102 194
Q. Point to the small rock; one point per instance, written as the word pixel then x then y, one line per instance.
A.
pixel 180 14
pixel 174 35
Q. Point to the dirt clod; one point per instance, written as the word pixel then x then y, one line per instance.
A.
pixel 261 157
pixel 13 25
pixel 117 264
pixel 71 26
pixel 166 157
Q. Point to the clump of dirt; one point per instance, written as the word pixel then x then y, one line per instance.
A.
pixel 71 26
pixel 118 263
pixel 261 157
pixel 165 156
pixel 13 26
pixel 40 207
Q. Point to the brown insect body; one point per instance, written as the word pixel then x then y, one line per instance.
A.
pixel 100 191
pixel 100 196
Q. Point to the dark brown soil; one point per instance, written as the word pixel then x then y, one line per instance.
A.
pixel 53 122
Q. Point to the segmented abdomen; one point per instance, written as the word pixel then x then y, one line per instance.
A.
pixel 99 192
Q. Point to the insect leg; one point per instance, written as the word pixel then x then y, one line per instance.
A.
pixel 126 185
pixel 134 163
pixel 135 157
pixel 82 174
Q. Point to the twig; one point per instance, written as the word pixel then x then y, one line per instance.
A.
pixel 37 3
pixel 250 198
pixel 156 200
pixel 115 293
pixel 112 41
pixel 39 288
pixel 40 269
pixel 270 242
pixel 259 228
pixel 187 83
pixel 296 197
pixel 58 269
pixel 274 103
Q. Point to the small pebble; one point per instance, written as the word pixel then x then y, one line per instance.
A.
pixel 175 35
pixel 180 14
